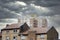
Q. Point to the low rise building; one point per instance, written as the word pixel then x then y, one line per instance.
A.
pixel 26 32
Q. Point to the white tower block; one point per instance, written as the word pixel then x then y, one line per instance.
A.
pixel 44 22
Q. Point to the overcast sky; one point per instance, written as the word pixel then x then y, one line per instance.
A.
pixel 10 10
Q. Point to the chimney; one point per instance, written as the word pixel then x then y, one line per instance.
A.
pixel 7 25
pixel 44 22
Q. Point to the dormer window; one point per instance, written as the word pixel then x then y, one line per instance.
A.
pixel 15 30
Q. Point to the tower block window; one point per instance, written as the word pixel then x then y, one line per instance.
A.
pixel 35 23
pixel 44 22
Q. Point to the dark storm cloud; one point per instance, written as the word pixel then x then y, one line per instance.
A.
pixel 50 4
pixel 45 3
pixel 37 2
pixel 5 13
pixel 54 11
pixel 6 1
pixel 9 8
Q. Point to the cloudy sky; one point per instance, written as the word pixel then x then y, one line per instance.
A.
pixel 10 10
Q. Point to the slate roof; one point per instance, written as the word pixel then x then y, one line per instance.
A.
pixel 38 30
pixel 12 26
pixel 24 26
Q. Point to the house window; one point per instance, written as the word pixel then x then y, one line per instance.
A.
pixel 23 37
pixel 15 30
pixel 7 38
pixel 7 31
pixel 14 38
pixel 35 23
pixel 42 36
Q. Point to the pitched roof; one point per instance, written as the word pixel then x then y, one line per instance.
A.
pixel 24 26
pixel 14 26
pixel 38 30
pixel 41 29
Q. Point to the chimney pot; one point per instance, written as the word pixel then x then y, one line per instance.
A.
pixel 7 25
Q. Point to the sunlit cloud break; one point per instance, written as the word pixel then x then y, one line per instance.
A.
pixel 20 3
pixel 44 9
